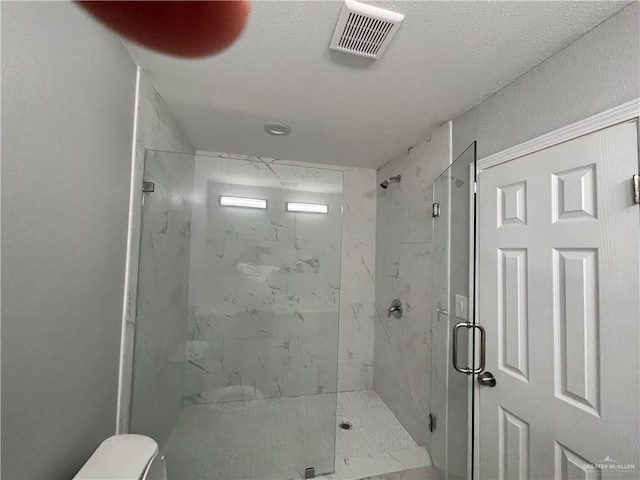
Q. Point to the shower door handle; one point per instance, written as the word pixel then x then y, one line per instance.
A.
pixel 454 348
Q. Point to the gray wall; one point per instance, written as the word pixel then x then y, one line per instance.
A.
pixel 598 71
pixel 67 117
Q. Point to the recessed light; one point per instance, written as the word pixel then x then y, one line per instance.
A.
pixel 277 129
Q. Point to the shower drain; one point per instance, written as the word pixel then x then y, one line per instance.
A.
pixel 346 425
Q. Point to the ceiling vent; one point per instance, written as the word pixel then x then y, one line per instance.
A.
pixel 364 30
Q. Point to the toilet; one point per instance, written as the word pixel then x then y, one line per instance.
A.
pixel 125 457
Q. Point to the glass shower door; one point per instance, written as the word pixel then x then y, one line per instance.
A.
pixel 236 342
pixel 453 320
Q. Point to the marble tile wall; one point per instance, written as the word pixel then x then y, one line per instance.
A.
pixel 158 383
pixel 357 306
pixel 404 267
pixel 163 275
pixel 264 284
pixel 356 291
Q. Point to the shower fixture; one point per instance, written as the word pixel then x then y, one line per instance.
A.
pixel 389 180
pixel 395 309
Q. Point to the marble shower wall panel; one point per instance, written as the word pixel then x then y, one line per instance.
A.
pixel 163 276
pixel 155 129
pixel 264 284
pixel 404 262
pixel 357 307
pixel 357 290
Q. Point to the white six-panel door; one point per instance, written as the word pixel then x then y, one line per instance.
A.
pixel 559 289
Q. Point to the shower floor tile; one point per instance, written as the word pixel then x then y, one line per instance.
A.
pixel 274 439
pixel 375 429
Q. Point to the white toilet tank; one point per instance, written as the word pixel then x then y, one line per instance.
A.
pixel 125 457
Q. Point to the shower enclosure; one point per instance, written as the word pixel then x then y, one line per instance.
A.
pixel 454 329
pixel 235 356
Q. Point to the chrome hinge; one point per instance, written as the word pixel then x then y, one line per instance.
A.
pixel 635 180
pixel 436 210
pixel 432 422
pixel 148 187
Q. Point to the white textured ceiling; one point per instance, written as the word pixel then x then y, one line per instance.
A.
pixel 347 110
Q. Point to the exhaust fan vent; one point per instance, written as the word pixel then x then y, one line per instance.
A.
pixel 364 30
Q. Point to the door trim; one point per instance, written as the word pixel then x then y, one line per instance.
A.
pixel 607 118
pixel 130 293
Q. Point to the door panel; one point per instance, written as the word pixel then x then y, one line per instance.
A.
pixel 559 283
pixel 513 343
pixel 513 437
